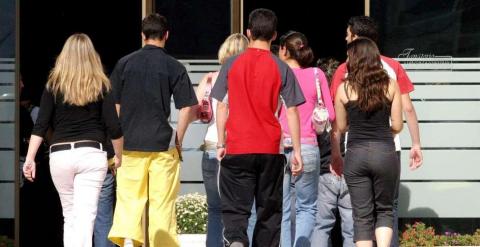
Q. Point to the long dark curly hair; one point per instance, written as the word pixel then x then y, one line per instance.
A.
pixel 366 75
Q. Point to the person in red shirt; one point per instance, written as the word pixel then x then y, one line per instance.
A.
pixel 364 26
pixel 248 90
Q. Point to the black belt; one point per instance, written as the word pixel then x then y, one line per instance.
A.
pixel 63 147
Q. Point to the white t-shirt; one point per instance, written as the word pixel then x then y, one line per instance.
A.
pixel 212 135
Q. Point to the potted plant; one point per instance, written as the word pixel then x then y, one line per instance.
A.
pixel 419 234
pixel 192 219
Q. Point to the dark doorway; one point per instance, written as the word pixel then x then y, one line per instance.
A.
pixel 323 22
pixel 114 27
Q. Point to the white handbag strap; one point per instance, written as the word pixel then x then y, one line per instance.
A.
pixel 208 89
pixel 317 85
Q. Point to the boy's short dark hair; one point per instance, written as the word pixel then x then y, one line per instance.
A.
pixel 364 26
pixel 262 24
pixel 154 26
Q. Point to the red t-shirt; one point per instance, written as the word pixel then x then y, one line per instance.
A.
pixel 251 83
pixel 393 68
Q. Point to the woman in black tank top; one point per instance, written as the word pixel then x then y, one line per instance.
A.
pixel 368 105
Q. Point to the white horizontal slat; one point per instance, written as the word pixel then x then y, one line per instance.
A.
pixel 446 92
pixel 202 67
pixel 439 199
pixel 7 197
pixel 441 65
pixel 198 61
pixel 191 166
pixel 444 76
pixel 194 135
pixel 7 111
pixel 445 135
pixel 445 58
pixel 196 77
pixel 7 66
pixel 7 165
pixel 7 135
pixel 192 188
pixel 447 110
pixel 7 77
pixel 7 92
pixel 443 165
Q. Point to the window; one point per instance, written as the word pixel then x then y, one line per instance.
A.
pixel 197 27
pixel 424 28
pixel 7 117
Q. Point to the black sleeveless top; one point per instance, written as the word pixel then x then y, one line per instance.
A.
pixel 368 126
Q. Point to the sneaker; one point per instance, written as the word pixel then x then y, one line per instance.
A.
pixel 237 244
pixel 128 243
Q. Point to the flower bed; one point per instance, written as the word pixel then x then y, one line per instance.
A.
pixel 419 234
pixel 191 214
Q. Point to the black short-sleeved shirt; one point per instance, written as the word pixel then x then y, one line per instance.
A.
pixel 75 123
pixel 143 83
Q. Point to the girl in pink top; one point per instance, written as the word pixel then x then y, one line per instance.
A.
pixel 294 51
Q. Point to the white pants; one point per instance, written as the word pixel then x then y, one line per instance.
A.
pixel 78 176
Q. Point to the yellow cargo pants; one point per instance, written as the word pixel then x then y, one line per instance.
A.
pixel 152 176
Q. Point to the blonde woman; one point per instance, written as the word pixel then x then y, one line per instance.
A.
pixel 78 105
pixel 233 45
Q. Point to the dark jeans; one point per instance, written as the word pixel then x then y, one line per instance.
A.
pixel 243 179
pixel 214 222
pixel 372 172
pixel 104 219
pixel 395 238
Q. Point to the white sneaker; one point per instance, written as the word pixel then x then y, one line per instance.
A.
pixel 128 243
pixel 236 244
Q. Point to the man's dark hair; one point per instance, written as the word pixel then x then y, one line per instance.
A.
pixel 364 26
pixel 154 26
pixel 262 24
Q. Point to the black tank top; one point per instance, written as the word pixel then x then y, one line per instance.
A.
pixel 368 126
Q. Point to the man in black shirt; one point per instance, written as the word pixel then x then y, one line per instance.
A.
pixel 143 83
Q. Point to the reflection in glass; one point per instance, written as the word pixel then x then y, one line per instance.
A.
pixel 428 28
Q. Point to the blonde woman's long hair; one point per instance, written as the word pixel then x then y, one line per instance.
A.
pixel 233 45
pixel 78 73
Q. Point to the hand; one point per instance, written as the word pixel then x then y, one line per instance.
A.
pixel 336 166
pixel 416 157
pixel 29 169
pixel 296 164
pixel 179 151
pixel 220 153
pixel 117 163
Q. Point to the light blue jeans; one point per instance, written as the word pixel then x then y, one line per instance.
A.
pixel 104 219
pixel 333 196
pixel 214 221
pixel 306 191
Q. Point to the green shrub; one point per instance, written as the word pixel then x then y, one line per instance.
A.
pixel 192 214
pixel 6 242
pixel 419 234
